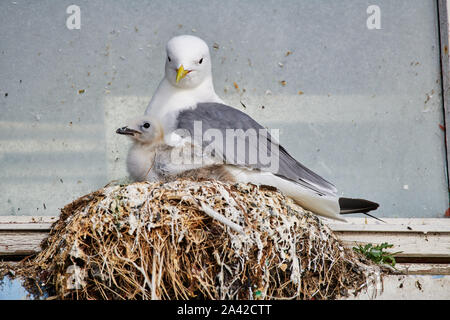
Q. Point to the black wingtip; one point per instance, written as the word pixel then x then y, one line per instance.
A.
pixel 350 206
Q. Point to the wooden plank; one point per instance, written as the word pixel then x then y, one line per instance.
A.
pixel 411 225
pixel 435 245
pixel 428 238
pixel 424 246
pixel 424 268
pixel 29 223
pixel 27 219
pixel 415 237
pixel 22 235
pixel 431 245
pixel 20 243
pixel 25 227
pixel 409 287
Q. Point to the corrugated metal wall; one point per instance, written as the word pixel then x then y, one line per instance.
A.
pixel 362 107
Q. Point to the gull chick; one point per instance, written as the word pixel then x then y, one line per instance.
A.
pixel 147 136
pixel 151 159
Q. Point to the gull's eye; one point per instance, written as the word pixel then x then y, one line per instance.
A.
pixel 200 61
pixel 146 125
pixel 168 58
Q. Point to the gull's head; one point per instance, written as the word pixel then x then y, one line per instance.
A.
pixel 145 130
pixel 188 62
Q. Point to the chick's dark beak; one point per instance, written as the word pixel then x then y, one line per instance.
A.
pixel 127 131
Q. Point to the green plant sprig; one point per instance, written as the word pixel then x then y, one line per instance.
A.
pixel 377 253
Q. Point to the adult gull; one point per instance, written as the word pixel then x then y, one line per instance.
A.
pixel 185 100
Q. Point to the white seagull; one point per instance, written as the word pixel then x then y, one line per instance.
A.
pixel 186 98
pixel 187 80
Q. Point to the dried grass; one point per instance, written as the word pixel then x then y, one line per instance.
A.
pixel 194 240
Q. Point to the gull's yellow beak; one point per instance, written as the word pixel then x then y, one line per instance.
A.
pixel 181 73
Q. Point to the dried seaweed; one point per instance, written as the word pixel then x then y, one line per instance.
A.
pixel 190 239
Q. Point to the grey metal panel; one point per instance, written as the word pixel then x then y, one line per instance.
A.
pixel 368 119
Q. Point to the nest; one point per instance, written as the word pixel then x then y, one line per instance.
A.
pixel 190 239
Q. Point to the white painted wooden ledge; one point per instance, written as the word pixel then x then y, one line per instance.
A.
pixel 423 239
pixel 415 238
pixel 418 238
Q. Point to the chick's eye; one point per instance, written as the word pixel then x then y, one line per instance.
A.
pixel 168 58
pixel 200 61
pixel 146 125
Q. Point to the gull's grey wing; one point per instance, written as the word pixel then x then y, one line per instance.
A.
pixel 220 117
